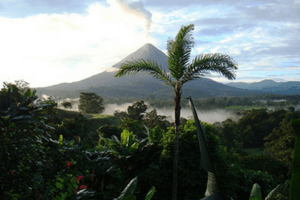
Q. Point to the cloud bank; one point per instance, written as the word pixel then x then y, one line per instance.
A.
pixel 46 49
pixel 49 42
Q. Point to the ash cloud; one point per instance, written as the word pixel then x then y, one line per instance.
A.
pixel 137 8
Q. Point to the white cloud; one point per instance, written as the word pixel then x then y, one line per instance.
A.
pixel 68 47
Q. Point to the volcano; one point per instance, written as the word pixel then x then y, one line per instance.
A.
pixel 142 85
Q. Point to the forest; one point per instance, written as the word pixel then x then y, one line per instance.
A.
pixel 51 153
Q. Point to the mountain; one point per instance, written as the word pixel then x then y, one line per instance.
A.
pixel 107 79
pixel 270 86
pixel 141 85
pixel 146 52
pixel 255 85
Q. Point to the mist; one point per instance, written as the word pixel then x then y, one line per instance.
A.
pixel 211 116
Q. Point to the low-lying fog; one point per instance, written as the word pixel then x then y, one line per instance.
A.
pixel 211 116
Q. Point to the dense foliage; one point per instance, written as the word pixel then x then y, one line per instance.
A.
pixel 48 153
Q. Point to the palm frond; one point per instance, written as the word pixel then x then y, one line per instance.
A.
pixel 179 51
pixel 204 63
pixel 143 66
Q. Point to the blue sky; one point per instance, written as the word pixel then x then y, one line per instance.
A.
pixel 53 41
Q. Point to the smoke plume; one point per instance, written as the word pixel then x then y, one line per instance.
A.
pixel 137 8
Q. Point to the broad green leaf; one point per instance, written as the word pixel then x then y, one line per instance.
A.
pixel 150 193
pixel 124 137
pixel 274 192
pixel 129 189
pixel 63 196
pixel 212 185
pixel 134 147
pixel 205 157
pixel 255 192
pixel 60 139
pixel 59 185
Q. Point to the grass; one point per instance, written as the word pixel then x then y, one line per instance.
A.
pixel 73 114
pixel 97 120
pixel 243 107
pixel 67 113
pixel 97 116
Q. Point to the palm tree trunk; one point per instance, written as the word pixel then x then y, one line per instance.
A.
pixel 176 145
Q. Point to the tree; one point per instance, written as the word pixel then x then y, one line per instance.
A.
pixel 291 108
pixel 135 111
pixel 181 71
pixel 89 102
pixel 67 104
pixel 280 142
pixel 16 93
pixel 152 119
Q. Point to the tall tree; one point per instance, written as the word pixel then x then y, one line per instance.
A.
pixel 181 71
pixel 136 110
pixel 89 102
pixel 67 104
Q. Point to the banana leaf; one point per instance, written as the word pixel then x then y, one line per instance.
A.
pixel 255 192
pixel 212 189
pixel 127 193
pixel 279 189
pixel 150 193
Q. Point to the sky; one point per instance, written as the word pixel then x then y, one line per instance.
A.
pixel 53 41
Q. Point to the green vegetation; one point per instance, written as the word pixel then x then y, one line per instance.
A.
pixel 243 107
pixel 295 193
pixel 181 71
pixel 254 151
pixel 48 153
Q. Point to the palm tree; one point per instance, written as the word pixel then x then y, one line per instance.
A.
pixel 181 71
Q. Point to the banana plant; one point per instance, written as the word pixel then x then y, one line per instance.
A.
pixel 213 191
pixel 255 192
pixel 127 193
pixel 125 147
pixel 279 190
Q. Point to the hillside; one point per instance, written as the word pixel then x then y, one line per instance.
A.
pixel 141 85
pixel 270 86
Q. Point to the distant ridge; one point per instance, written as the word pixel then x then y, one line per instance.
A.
pixel 270 86
pixel 142 85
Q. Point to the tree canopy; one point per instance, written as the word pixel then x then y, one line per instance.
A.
pixel 67 104
pixel 89 102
